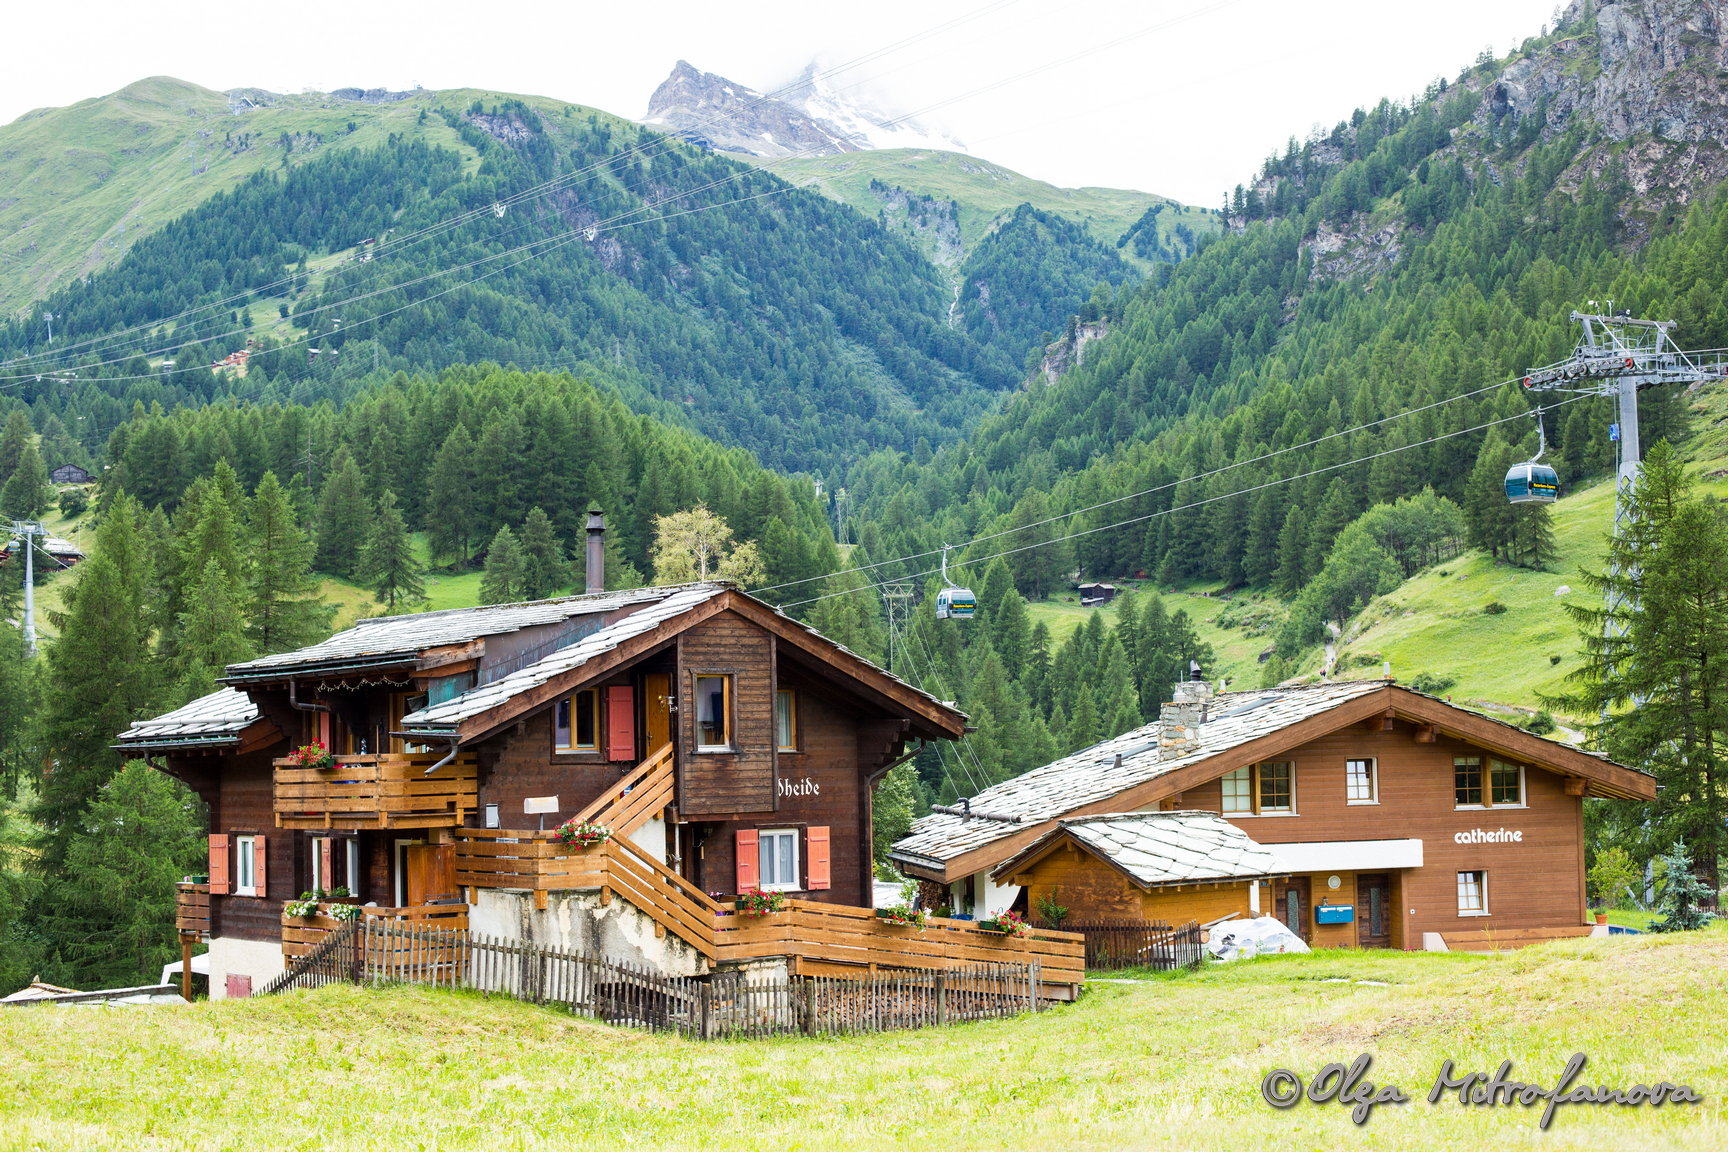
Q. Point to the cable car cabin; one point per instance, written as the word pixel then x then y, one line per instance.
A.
pixel 1532 483
pixel 955 604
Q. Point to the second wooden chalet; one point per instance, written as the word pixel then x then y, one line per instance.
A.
pixel 726 747
pixel 1388 818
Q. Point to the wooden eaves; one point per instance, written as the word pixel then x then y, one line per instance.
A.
pixel 1596 776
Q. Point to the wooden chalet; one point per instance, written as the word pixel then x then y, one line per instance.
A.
pixel 1391 819
pixel 727 747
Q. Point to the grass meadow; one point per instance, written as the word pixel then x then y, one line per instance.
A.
pixel 1169 1061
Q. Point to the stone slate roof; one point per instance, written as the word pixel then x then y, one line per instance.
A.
pixel 216 719
pixel 1156 848
pixel 388 639
pixel 1093 775
pixel 446 716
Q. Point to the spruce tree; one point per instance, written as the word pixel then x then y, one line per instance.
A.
pixel 1119 707
pixel 285 609
pixel 1293 571
pixel 542 558
pixel 387 563
pixel 344 518
pixel 26 493
pixel 13 442
pixel 502 581
pixel 1085 729
pixel 1011 631
pixel 848 615
pixel 212 629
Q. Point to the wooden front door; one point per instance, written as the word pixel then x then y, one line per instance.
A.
pixel 1290 904
pixel 657 697
pixel 1373 910
pixel 431 870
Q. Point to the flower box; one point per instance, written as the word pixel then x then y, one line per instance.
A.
pixel 313 755
pixel 1008 924
pixel 759 903
pixel 581 836
pixel 902 918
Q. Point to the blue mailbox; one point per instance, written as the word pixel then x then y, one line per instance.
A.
pixel 1335 914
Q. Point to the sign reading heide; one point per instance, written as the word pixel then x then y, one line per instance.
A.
pixel 1485 836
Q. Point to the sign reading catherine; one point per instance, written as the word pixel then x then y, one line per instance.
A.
pixel 1348 1085
pixel 1484 836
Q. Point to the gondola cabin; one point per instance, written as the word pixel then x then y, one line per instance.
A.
pixel 955 604
pixel 1532 483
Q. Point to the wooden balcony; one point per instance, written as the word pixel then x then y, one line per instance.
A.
pixel 192 909
pixel 358 793
pixel 301 934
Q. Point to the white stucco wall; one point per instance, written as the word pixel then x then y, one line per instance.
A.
pixel 577 920
pixel 992 899
pixel 651 838
pixel 257 959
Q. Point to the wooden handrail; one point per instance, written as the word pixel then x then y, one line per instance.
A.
pixel 652 776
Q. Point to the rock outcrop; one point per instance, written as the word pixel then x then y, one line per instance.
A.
pixel 729 117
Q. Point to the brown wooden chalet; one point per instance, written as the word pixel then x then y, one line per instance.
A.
pixel 726 747
pixel 1391 819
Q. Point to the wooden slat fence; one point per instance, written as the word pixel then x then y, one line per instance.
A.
pixel 376 951
pixel 192 909
pixel 1138 943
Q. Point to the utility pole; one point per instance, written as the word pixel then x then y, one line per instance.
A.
pixel 1620 357
pixel 29 530
pixel 897 596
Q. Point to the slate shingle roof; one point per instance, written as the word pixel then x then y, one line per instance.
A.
pixel 1093 775
pixel 402 637
pixel 215 719
pixel 1167 847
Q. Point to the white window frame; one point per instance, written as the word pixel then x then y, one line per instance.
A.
pixel 353 862
pixel 771 836
pixel 725 679
pixel 1481 875
pixel 245 866
pixel 319 880
pixel 1373 764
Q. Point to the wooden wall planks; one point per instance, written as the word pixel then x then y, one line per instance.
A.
pixel 743 779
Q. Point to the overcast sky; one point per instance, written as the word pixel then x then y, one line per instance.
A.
pixel 1183 98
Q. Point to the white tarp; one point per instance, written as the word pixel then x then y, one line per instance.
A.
pixel 1245 939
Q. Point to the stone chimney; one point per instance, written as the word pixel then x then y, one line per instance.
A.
pixel 1179 721
pixel 596 564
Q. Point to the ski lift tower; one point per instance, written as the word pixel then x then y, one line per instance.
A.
pixel 29 530
pixel 1620 357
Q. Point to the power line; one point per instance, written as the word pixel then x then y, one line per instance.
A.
pixel 1203 502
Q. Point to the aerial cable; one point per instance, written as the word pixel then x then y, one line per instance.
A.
pixel 1198 503
pixel 1171 484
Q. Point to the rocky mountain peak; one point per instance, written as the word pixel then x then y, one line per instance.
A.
pixel 732 117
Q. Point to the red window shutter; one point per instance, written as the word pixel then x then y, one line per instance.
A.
pixel 749 863
pixel 816 858
pixel 325 736
pixel 327 862
pixel 620 723
pixel 239 987
pixel 219 865
pixel 258 885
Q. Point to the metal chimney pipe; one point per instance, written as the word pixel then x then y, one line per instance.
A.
pixel 596 565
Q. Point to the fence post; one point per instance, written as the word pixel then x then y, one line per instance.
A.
pixel 942 996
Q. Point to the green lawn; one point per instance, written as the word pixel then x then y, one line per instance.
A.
pixel 1171 1062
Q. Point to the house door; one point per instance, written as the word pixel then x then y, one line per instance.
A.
pixel 430 872
pixel 656 703
pixel 1373 900
pixel 1290 904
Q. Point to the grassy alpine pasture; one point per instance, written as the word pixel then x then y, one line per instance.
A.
pixel 1168 1062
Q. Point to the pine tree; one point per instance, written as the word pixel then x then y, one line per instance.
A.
pixel 502 581
pixel 1293 571
pixel 344 518
pixel 542 557
pixel 450 499
pixel 1119 707
pixel 1011 631
pixel 285 609
pixel 26 494
pixel 1084 730
pixel 387 563
pixel 1260 563
pixel 847 614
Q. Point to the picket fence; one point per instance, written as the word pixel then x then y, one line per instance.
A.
pixel 1137 943
pixel 375 951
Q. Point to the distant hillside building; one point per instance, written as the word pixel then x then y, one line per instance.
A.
pixel 69 474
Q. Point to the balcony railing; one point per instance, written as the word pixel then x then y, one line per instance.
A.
pixel 302 934
pixel 383 791
pixel 192 909
pixel 824 938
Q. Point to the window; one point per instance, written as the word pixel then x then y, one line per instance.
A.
pixel 1260 789
pixel 1505 783
pixel 779 860
pixel 785 721
pixel 352 878
pixel 1503 788
pixel 1239 791
pixel 713 722
pixel 1361 782
pixel 573 725
pixel 1472 893
pixel 245 866
pixel 319 880
pixel 1467 783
